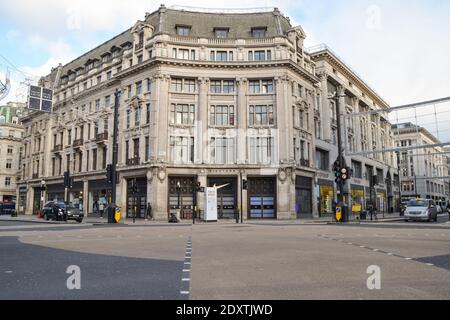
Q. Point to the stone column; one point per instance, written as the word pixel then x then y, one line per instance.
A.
pixel 357 124
pixel 201 139
pixel 122 196
pixel 241 119
pixel 160 191
pixel 325 113
pixel 162 117
pixel 29 201
pixel 282 119
pixel 284 191
pixel 85 197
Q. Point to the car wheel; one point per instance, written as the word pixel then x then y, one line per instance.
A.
pixel 46 217
pixel 80 220
pixel 406 220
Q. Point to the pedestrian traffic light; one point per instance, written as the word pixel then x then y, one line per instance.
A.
pixel 244 184
pixel 109 173
pixel 66 179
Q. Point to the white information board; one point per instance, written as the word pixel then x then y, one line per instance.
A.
pixel 211 204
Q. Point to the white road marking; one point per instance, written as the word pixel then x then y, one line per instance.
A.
pixel 408 258
pixel 186 270
pixel 361 246
pixel 9 271
pixel 186 279
pixel 389 254
pixel 429 264
pixel 184 292
pixel 376 250
pixel 187 263
pixel 349 243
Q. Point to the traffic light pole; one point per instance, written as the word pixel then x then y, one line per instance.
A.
pixel 341 159
pixel 115 146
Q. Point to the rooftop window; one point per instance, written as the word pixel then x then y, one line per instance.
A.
pixel 221 32
pixel 183 30
pixel 259 32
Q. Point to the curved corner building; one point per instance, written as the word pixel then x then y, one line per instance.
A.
pixel 208 97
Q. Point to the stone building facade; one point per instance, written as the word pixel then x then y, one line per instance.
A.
pixel 420 168
pixel 10 149
pixel 205 98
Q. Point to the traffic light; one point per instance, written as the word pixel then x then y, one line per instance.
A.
pixel 244 184
pixel 67 179
pixel 109 173
pixel 343 173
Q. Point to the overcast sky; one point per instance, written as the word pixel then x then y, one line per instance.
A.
pixel 401 48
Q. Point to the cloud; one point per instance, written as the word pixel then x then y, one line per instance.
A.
pixel 12 34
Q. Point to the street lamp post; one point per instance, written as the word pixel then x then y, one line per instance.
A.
pixel 42 194
pixel 178 193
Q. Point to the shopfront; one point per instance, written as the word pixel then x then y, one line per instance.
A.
pixel 357 196
pixel 381 200
pixel 75 195
pixel 99 194
pixel 262 198
pixel 326 197
pixel 303 197
pixel 37 203
pixel 55 192
pixel 22 205
pixel 181 196
pixel 226 196
pixel 137 201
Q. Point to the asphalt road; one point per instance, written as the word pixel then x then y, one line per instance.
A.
pixel 227 261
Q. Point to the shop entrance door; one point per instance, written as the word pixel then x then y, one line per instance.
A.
pixel 226 196
pixel 137 202
pixel 262 198
pixel 181 196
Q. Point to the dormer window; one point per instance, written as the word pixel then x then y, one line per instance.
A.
pixel 259 32
pixel 221 32
pixel 105 57
pixel 115 53
pixel 183 30
pixel 78 71
pixel 72 76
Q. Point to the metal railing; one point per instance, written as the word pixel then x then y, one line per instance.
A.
pixel 78 143
pixel 133 161
pixel 57 148
pixel 100 137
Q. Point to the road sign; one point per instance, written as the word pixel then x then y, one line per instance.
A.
pixel 338 213
pixel 40 99
pixel 117 215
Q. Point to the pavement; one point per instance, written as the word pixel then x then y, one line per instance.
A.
pixel 98 220
pixel 256 260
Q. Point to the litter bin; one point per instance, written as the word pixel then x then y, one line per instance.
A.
pixel 111 210
pixel 363 215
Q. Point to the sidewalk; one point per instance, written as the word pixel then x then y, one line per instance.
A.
pixel 33 219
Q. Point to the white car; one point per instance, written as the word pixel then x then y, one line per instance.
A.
pixel 420 210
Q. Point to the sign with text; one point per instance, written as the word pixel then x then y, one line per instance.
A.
pixel 40 99
pixel 211 204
